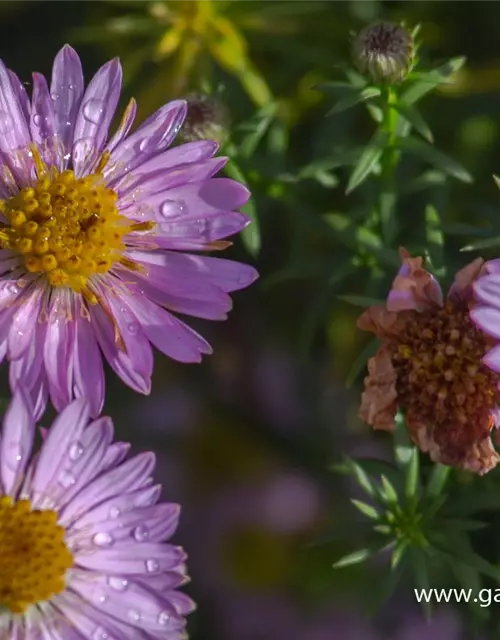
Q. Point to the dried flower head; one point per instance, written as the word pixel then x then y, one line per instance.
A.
pixel 384 51
pixel 430 366
pixel 206 119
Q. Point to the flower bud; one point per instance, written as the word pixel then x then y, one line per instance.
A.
pixel 207 119
pixel 384 51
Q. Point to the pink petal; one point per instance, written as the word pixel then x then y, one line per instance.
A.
pixel 88 368
pixel 17 441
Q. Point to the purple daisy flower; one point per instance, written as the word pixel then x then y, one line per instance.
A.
pixel 82 538
pixel 486 310
pixel 94 234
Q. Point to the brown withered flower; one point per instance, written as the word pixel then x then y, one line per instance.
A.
pixel 430 366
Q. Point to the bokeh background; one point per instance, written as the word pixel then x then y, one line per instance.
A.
pixel 245 441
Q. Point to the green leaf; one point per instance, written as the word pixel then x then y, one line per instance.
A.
pixel 361 360
pixel 398 553
pixel 251 233
pixel 256 129
pixel 437 480
pixel 362 301
pixel 355 236
pixel 388 492
pixel 427 180
pixel 420 567
pixel 412 475
pixel 463 229
pixel 469 579
pixel 412 115
pixel 434 235
pixel 423 83
pixel 368 160
pixel 402 445
pixel 353 558
pixel 485 243
pixel 363 479
pixel 352 98
pixel 386 586
pixel 366 509
pixel 437 158
pixel 456 544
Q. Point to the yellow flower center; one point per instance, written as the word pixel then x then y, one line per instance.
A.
pixel 33 556
pixel 67 228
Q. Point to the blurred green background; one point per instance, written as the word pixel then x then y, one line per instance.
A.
pixel 245 440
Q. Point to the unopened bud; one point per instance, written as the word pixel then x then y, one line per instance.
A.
pixel 207 119
pixel 384 51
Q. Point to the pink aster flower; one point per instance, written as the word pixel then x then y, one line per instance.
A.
pixel 82 537
pixel 486 310
pixel 97 235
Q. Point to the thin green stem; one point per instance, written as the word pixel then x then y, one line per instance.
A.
pixel 389 161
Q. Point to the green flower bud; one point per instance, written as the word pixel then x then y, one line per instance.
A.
pixel 207 119
pixel 384 51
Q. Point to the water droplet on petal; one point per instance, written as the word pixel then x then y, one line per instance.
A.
pixel 172 208
pixel 152 566
pixel 163 618
pixel 114 513
pixel 118 584
pixel 133 327
pixel 134 615
pixel 75 451
pixel 13 288
pixel 37 119
pixel 66 479
pixel 6 122
pixel 100 634
pixel 141 533
pixel 144 144
pixel 83 149
pixel 103 539
pixel 93 109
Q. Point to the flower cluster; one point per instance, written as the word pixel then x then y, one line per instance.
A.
pixel 103 240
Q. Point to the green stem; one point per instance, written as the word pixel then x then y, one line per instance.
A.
pixel 389 161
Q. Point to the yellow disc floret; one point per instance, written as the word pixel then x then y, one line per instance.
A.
pixel 34 558
pixel 65 227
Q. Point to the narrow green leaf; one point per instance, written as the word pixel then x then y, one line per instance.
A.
pixel 353 98
pixel 353 558
pixel 387 583
pixel 256 129
pixel 366 509
pixel 420 571
pixel 362 301
pixel 485 243
pixel 388 492
pixel 463 229
pixel 427 180
pixel 398 553
pixel 412 115
pixel 423 83
pixel 469 579
pixel 434 235
pixel 435 157
pixel 362 479
pixel 437 480
pixel 412 475
pixel 459 524
pixel 402 445
pixel 368 160
pixel 251 233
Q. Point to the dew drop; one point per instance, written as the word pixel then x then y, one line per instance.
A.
pixel 76 451
pixel 152 566
pixel 163 618
pixel 66 479
pixel 133 327
pixel 133 615
pixel 54 96
pixel 144 144
pixel 13 288
pixel 118 584
pixel 6 122
pixel 172 208
pixel 100 634
pixel 114 513
pixel 141 533
pixel 103 539
pixel 93 109
pixel 38 119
